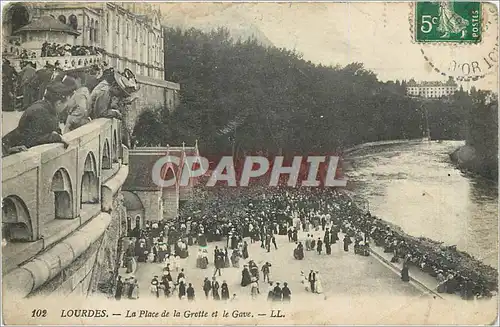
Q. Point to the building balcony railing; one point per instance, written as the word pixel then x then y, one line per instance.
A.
pixel 49 191
pixel 66 62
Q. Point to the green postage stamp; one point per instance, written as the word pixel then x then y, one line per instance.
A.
pixel 448 21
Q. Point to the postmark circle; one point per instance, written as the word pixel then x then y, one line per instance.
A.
pixel 446 52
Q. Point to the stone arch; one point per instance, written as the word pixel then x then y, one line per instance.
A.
pixel 16 220
pixel 169 195
pixel 73 21
pixel 167 173
pixel 90 181
pixel 15 16
pixel 135 209
pixel 62 19
pixel 63 194
pixel 106 156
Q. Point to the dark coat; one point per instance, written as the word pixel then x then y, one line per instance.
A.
pixel 35 126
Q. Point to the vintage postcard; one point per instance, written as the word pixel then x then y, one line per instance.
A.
pixel 246 163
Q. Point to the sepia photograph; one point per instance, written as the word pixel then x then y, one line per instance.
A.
pixel 250 163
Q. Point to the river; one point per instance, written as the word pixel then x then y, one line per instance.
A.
pixel 416 187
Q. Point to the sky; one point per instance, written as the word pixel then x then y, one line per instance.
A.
pixel 375 33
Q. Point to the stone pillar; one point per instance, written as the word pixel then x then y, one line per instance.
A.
pixel 170 200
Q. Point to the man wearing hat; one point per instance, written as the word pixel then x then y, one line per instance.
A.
pixel 100 98
pixel 27 73
pixel 111 97
pixel 79 104
pixel 39 124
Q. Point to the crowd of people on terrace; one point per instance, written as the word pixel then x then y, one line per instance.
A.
pixel 257 215
pixel 51 50
pixel 52 96
pixel 61 50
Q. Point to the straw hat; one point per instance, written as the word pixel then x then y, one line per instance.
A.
pixel 126 82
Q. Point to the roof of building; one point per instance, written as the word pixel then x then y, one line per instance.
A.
pixel 141 165
pixel 449 82
pixel 48 23
pixel 411 82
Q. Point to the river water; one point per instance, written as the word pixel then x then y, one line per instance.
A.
pixel 416 187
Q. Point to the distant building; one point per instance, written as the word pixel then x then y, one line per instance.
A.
pixel 434 89
pixel 130 34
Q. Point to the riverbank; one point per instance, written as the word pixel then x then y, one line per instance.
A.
pixel 466 158
pixel 362 146
pixel 438 256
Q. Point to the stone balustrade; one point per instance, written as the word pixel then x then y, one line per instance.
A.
pixel 66 62
pixel 56 200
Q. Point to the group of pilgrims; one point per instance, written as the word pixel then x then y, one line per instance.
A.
pixel 257 215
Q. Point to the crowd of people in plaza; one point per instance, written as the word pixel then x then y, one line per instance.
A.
pixel 74 98
pixel 259 214
pixel 167 243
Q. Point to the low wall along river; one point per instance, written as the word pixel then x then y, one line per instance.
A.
pixel 415 186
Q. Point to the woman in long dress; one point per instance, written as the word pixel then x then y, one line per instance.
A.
pixel 270 292
pixel 318 286
pixel 245 250
pixel 254 288
pixel 304 281
pixel 199 259
pixel 224 291
pixel 347 241
pixel 226 259
pixel 182 289
pixel 135 290
pixel 405 276
pixel 245 277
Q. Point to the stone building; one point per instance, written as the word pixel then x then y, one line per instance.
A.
pixel 431 89
pixel 130 34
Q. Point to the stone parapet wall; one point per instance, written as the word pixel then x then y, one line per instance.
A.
pixel 56 230
pixel 154 94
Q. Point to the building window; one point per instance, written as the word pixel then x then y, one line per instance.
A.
pixel 90 181
pixel 107 21
pixel 91 30
pixel 73 22
pixel 96 31
pixel 16 221
pixel 118 25
pixel 62 189
pixel 62 19
pixel 128 30
pixel 106 152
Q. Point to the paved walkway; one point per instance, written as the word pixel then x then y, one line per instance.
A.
pixel 343 273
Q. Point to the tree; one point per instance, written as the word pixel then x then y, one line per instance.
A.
pixel 238 96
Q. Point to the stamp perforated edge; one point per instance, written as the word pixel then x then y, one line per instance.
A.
pixel 457 44
pixel 411 18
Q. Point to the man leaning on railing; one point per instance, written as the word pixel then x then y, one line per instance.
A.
pixel 112 96
pixel 39 123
